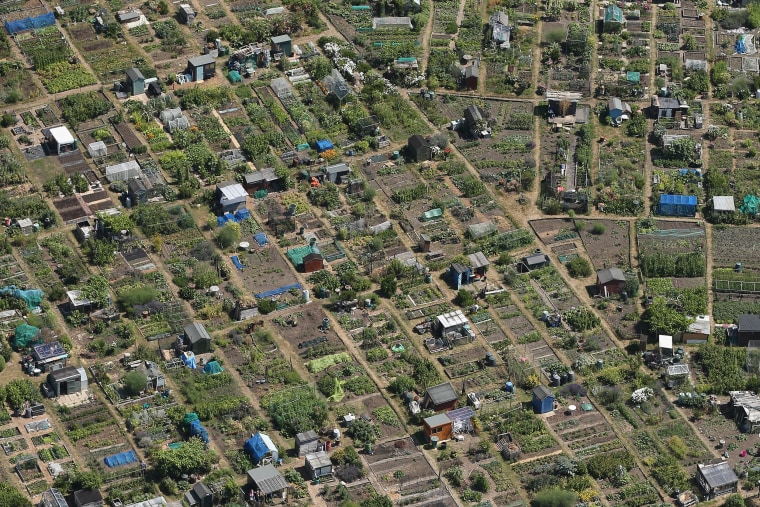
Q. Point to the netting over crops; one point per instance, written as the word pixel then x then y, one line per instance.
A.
pixel 37 22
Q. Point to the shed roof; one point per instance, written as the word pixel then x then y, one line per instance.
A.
pixel 442 393
pixel 478 260
pixel 338 169
pixel 61 135
pixel 537 258
pixel 279 39
pixel 665 341
pixel 417 141
pixel 717 474
pixel 459 268
pixel 689 200
pixel 499 17
pixel 724 203
pixel 472 70
pixel 134 74
pixel 266 174
pixel 200 61
pixel 749 322
pixel 451 319
pixel 607 275
pixel 542 392
pixel 268 479
pixel 700 325
pixel 318 460
pixel 67 373
pixel 473 114
pixel 85 496
pixel 307 436
pixel 231 191
pixel 195 332
pixel 436 420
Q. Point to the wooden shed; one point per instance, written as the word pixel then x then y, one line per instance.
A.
pixel 610 281
pixel 319 465
pixel 307 442
pixel 543 399
pixel 438 426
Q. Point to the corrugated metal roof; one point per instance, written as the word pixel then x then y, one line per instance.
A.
pixel 268 479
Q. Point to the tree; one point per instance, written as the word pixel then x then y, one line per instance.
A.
pixel 480 483
pixel 134 382
pixel 319 67
pixel 554 498
pixel 97 290
pixel 402 384
pixel 579 267
pixel 637 125
pixel 388 286
pixel 86 480
pixel 20 391
pixel 11 497
pixel 192 457
pixel 753 15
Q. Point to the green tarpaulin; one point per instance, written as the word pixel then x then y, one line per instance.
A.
pixel 750 205
pixel 212 368
pixel 432 214
pixel 26 336
pixel 33 297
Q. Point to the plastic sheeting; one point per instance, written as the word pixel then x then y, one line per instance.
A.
pixel 236 261
pixel 196 430
pixel 123 458
pixel 260 445
pixel 22 25
pixel 324 145
pixel 26 335
pixel 277 291
pixel 261 238
pixel 212 368
pixel 189 359
pixel 33 297
pixel 751 205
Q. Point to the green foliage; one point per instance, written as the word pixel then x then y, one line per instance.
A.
pixel 480 482
pixel 660 316
pixel 192 457
pixel 20 391
pixel 266 306
pixel 12 497
pixel 296 409
pixel 605 465
pixel 402 384
pixel 229 235
pixel 637 125
pixel 86 480
pixel 134 382
pixel 469 185
pixel 753 15
pixel 581 319
pixel 388 286
pixel 579 267
pixel 455 475
pixel 364 432
pixel 80 107
pixel 554 498
pixel 464 298
pixel 679 265
pixel 97 290
pixel 735 500
pixel 140 295
pixel 723 366
pixel 668 472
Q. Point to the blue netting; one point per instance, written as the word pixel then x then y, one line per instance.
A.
pixel 277 291
pixel 22 25
pixel 123 458
pixel 261 238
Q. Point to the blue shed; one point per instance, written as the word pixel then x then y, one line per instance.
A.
pixel 677 205
pixel 543 399
pixel 459 274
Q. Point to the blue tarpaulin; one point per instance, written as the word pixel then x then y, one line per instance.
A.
pixel 277 291
pixel 117 460
pixel 189 359
pixel 261 238
pixel 677 205
pixel 236 261
pixel 260 445
pixel 242 214
pixel 196 430
pixel 324 145
pixel 22 25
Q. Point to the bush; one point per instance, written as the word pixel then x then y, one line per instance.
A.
pixel 598 229
pixel 464 298
pixel 480 482
pixel 266 306
pixel 579 268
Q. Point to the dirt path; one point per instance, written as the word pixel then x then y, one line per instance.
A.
pixel 426 35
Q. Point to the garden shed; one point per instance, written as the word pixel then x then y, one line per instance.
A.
pixel 618 110
pixel 97 149
pixel 186 14
pixel 543 399
pixel 439 398
pixel 338 173
pixel 470 76
pixel 68 380
pixel 200 496
pixel 717 479
pixel 669 107
pixel 137 191
pixel 459 275
pixel 698 331
pixel 438 425
pixel 201 67
pixel 282 44
pixel 319 465
pixel 88 498
pixel 610 281
pixel 267 481
pixel 313 261
pixel 677 205
pixel 196 338
pixel 265 179
pixel 59 139
pixel 49 356
pixel 535 261
pixel 123 172
pixel 135 81
pixel 232 196
pixel 501 31
pixel 307 442
pixel 748 329
pixel 479 263
pixel 420 148
pixel 665 344
pixel 261 449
